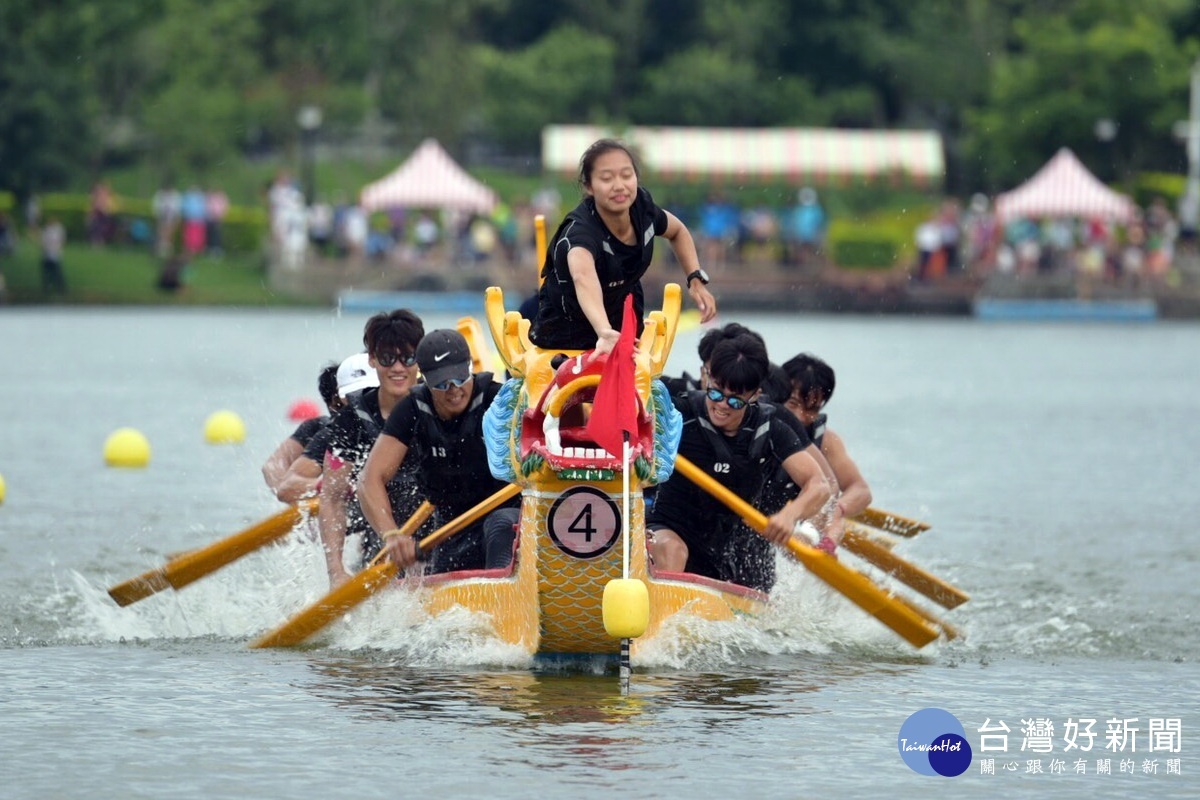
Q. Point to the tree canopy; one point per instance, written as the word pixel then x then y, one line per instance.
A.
pixel 186 84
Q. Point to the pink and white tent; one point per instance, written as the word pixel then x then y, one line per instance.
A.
pixel 1063 188
pixel 429 178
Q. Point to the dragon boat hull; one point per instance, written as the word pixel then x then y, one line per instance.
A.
pixel 571 537
pixel 550 599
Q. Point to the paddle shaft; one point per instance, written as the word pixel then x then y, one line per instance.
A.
pixel 378 574
pixel 539 238
pixel 855 586
pixel 195 564
pixel 904 571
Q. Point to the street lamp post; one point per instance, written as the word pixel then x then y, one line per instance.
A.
pixel 309 120
pixel 1106 133
pixel 1189 131
pixel 1191 210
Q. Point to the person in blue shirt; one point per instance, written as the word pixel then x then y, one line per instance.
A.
pixel 805 229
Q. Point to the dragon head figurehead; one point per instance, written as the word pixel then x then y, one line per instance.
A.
pixel 536 429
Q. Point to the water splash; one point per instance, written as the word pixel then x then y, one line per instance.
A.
pixel 1008 616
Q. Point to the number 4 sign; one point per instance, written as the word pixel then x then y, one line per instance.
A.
pixel 584 522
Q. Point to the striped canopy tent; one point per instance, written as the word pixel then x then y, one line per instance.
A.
pixel 808 155
pixel 429 178
pixel 1063 188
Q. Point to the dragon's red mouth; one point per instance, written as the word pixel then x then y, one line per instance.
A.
pixel 556 428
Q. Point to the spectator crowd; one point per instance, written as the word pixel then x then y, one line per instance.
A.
pixel 1090 249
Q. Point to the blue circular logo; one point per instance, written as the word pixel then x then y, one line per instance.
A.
pixel 933 742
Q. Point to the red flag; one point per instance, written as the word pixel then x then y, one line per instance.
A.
pixel 615 407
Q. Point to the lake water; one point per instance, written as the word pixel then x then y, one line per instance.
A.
pixel 1056 463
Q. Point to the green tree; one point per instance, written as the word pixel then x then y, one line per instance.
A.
pixel 202 66
pixel 1099 59
pixel 49 110
pixel 911 56
pixel 562 78
pixel 702 86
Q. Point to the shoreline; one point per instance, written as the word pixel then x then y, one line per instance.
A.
pixel 760 286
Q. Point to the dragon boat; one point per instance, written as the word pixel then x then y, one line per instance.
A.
pixel 569 544
pixel 581 538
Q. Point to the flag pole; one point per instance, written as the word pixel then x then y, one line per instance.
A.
pixel 626 666
pixel 626 602
pixel 625 505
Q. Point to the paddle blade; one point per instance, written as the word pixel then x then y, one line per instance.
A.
pixel 860 590
pixel 139 588
pixel 472 331
pixel 330 607
pixel 904 571
pixel 949 631
pixel 891 523
pixel 195 564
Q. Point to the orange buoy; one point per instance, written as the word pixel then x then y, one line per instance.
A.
pixel 303 409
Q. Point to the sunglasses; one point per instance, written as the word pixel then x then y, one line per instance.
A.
pixel 734 402
pixel 390 358
pixel 451 383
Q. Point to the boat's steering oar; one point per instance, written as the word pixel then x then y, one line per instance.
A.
pixel 857 587
pixel 195 564
pixel 378 574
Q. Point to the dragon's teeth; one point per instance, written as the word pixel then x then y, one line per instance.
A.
pixel 551 436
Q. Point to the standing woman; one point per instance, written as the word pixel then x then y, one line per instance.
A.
pixel 600 252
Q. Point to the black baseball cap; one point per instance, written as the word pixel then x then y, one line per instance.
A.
pixel 443 355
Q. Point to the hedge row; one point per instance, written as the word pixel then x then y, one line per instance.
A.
pixel 242 231
pixel 881 242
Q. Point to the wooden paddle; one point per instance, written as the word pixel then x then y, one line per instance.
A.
pixel 195 564
pixel 860 543
pixel 472 331
pixel 379 573
pixel 949 631
pixel 892 523
pixel 854 585
pixel 539 238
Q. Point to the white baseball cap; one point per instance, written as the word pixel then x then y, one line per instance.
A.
pixel 355 374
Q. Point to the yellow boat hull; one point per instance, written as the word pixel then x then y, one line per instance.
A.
pixel 570 543
pixel 551 599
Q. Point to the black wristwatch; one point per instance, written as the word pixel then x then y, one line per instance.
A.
pixel 701 274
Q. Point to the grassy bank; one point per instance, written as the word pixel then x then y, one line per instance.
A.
pixel 122 275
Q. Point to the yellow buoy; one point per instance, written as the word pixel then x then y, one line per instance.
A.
pixel 126 447
pixel 626 608
pixel 3 488
pixel 224 427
